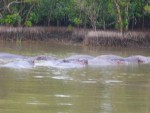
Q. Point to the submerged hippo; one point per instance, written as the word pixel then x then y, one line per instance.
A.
pixel 105 60
pixel 117 60
pixel 138 59
pixel 109 57
pixel 19 64
pixel 82 62
pixel 11 56
pixel 42 58
pixel 70 63
pixel 80 57
pixel 76 61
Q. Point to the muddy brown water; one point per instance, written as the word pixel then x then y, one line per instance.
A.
pixel 119 89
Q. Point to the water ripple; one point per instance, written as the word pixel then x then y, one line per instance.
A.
pixel 62 78
pixel 62 96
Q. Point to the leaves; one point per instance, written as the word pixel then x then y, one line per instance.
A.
pixel 13 19
pixel 147 8
pixel 90 13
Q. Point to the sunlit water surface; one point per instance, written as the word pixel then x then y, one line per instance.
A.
pixel 118 89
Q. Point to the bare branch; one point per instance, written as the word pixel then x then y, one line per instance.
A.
pixel 13 2
pixel 27 16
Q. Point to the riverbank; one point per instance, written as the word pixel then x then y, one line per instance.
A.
pixel 82 36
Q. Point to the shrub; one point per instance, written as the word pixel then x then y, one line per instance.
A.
pixel 70 28
pixel 13 19
pixel 28 23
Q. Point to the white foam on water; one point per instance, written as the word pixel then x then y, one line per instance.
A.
pixel 62 78
pixel 65 104
pixel 44 63
pixel 19 65
pixel 58 64
pixel 113 81
pixel 36 103
pixel 89 82
pixel 39 77
pixel 62 96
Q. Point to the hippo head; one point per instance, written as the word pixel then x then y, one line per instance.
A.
pixel 83 62
pixel 148 60
pixel 142 60
pixel 45 58
pixel 41 58
pixel 31 62
pixel 65 61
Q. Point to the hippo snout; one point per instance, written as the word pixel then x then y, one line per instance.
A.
pixel 84 62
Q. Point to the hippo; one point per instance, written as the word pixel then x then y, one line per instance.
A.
pixel 148 60
pixel 82 62
pixel 76 61
pixel 42 58
pixel 109 57
pixel 25 64
pixel 137 59
pixel 7 58
pixel 80 57
pixel 70 63
pixel 11 56
pixel 105 60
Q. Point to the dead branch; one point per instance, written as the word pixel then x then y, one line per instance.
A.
pixel 11 3
pixel 26 18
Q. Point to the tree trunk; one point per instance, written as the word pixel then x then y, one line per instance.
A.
pixel 27 16
pixel 57 23
pixel 4 2
pixel 143 22
pixel 48 23
pixel 120 21
pixel 132 23
pixel 127 17
pixel 23 7
pixel 49 18
pixel 94 25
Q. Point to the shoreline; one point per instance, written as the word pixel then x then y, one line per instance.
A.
pixel 140 39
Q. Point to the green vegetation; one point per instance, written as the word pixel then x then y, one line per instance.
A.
pixel 97 14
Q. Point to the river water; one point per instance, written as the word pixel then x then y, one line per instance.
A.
pixel 119 89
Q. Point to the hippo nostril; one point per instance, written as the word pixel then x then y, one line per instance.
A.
pixel 38 58
pixel 41 58
pixel 140 61
pixel 86 62
pixel 65 61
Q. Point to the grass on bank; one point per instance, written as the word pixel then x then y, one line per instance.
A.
pixel 85 36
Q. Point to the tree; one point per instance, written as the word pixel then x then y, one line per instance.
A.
pixel 12 10
pixel 91 9
pixel 147 8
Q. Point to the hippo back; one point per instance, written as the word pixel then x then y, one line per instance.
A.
pixel 19 64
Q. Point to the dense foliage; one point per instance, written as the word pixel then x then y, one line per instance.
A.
pixel 96 14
